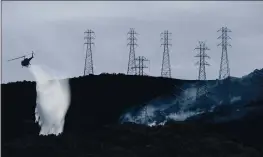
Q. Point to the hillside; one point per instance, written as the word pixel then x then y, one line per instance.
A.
pixel 229 95
pixel 95 100
pixel 129 140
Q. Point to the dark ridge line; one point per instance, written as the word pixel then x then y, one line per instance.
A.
pixel 103 74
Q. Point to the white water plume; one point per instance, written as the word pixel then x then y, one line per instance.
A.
pixel 52 102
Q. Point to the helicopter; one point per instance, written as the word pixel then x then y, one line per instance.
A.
pixel 26 61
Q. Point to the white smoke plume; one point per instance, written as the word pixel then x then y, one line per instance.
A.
pixel 235 99
pixel 53 100
pixel 181 116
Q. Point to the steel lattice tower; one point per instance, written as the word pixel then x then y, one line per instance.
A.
pixel 202 88
pixel 166 66
pixel 140 65
pixel 224 71
pixel 132 43
pixel 89 36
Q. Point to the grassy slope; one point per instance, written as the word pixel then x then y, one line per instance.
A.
pixel 173 140
pixel 99 100
pixel 95 100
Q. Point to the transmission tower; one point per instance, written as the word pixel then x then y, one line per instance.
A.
pixel 224 71
pixel 140 65
pixel 89 36
pixel 132 43
pixel 202 88
pixel 166 67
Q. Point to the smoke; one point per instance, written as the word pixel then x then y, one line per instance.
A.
pixel 190 92
pixel 181 116
pixel 189 97
pixel 53 100
pixel 235 99
pixel 154 120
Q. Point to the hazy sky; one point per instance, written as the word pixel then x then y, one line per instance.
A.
pixel 55 31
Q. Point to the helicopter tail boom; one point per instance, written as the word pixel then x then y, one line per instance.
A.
pixel 16 58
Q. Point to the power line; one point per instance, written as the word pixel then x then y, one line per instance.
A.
pixel 224 71
pixel 132 43
pixel 166 66
pixel 202 87
pixel 89 36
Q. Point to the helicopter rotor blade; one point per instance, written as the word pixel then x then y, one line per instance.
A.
pixel 22 56
pixel 29 54
pixel 16 58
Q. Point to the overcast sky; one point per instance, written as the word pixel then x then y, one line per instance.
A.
pixel 55 31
